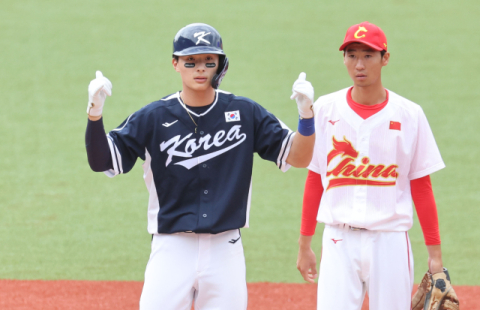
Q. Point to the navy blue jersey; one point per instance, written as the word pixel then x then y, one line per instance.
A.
pixel 199 181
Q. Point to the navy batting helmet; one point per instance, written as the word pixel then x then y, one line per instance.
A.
pixel 201 38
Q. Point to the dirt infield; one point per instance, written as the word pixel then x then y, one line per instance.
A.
pixel 113 295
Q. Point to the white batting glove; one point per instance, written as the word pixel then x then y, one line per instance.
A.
pixel 303 94
pixel 98 90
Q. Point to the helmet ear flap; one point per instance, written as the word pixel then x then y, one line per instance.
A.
pixel 222 70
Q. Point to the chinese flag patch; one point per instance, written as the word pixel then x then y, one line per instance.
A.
pixel 395 125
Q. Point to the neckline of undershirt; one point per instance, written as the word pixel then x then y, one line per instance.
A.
pixel 365 111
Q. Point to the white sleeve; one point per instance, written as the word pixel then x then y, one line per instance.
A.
pixel 285 151
pixel 314 164
pixel 426 157
pixel 116 159
pixel 317 153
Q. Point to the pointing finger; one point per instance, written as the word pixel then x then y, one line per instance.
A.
pixel 98 74
pixel 302 76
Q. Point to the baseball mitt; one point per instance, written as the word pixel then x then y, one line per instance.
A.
pixel 435 292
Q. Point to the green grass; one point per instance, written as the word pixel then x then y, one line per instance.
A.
pixel 59 220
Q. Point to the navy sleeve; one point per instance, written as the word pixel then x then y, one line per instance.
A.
pixel 273 138
pixel 127 142
pixel 98 152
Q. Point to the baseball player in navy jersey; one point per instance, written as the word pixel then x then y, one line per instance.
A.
pixel 374 152
pixel 197 148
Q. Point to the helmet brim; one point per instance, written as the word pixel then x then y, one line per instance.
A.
pixel 195 50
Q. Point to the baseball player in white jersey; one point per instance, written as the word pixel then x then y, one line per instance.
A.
pixel 374 151
pixel 197 146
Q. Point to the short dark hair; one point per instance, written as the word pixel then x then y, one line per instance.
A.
pixel 382 53
pixel 176 57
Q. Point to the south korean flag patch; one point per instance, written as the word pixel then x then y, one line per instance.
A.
pixel 233 116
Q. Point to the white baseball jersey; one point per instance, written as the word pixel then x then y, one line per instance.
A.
pixel 366 165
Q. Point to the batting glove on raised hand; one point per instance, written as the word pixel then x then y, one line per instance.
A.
pixel 302 92
pixel 98 90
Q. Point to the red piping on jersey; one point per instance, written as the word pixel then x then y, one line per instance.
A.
pixel 365 111
pixel 408 253
pixel 408 257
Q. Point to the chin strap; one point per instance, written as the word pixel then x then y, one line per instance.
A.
pixel 222 70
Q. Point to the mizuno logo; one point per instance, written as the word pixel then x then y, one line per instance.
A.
pixel 206 142
pixel 200 36
pixel 333 122
pixel 335 241
pixel 169 124
pixel 234 240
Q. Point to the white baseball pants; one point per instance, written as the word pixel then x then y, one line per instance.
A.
pixel 355 262
pixel 205 269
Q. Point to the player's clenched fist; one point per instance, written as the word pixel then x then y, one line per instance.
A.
pixel 98 90
pixel 302 92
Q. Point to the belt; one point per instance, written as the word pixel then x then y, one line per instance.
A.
pixel 352 228
pixel 356 228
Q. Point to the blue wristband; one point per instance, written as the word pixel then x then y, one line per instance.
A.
pixel 306 126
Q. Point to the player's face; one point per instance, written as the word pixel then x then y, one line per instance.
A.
pixel 197 71
pixel 364 64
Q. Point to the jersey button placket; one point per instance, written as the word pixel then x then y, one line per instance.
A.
pixel 361 191
pixel 205 200
pixel 204 178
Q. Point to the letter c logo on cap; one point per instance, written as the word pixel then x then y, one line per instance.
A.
pixel 360 29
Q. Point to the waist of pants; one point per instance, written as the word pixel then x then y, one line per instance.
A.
pixel 349 227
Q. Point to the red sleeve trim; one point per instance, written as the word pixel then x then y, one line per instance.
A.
pixel 422 195
pixel 311 202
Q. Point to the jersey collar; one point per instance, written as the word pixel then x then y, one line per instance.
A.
pixel 193 113
pixel 355 120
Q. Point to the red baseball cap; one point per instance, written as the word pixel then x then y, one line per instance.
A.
pixel 366 33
